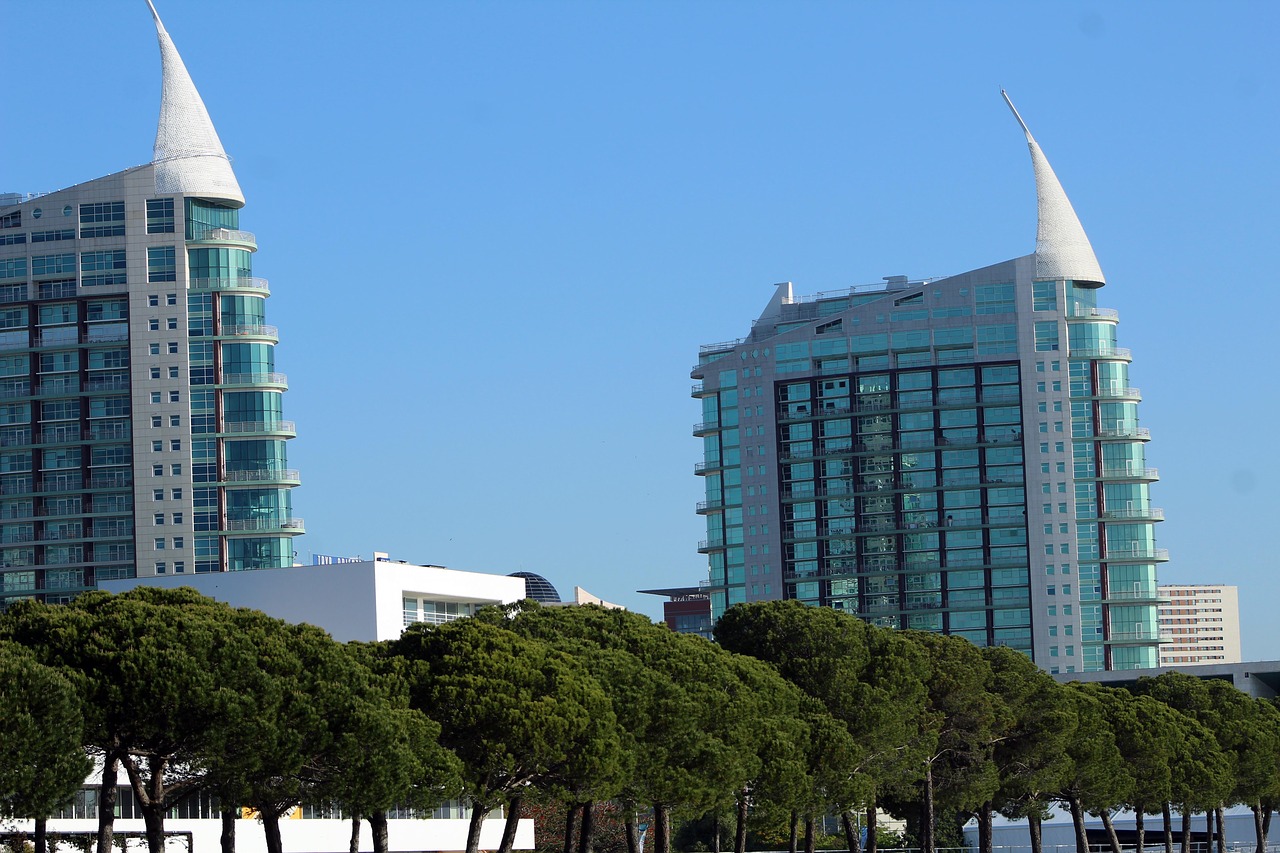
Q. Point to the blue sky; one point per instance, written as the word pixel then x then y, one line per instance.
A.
pixel 497 233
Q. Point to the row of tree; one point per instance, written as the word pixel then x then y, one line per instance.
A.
pixel 796 713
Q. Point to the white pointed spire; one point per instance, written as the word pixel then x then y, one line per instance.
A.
pixel 189 157
pixel 1062 247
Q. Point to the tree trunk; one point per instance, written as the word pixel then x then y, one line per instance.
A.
pixel 153 819
pixel 632 828
pixel 271 830
pixel 851 835
pixel 1222 830
pixel 740 831
pixel 1033 828
pixel 378 829
pixel 1077 818
pixel 794 836
pixel 510 827
pixel 40 837
pixel 228 837
pixel 1257 829
pixel 1186 829
pixel 586 842
pixel 929 824
pixel 1208 830
pixel 1139 828
pixel 353 846
pixel 715 832
pixel 810 835
pixel 661 829
pixel 478 811
pixel 1167 815
pixel 571 825
pixel 871 826
pixel 107 802
pixel 984 828
pixel 1111 831
pixel 1266 822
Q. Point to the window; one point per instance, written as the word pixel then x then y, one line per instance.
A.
pixel 158 542
pixel 155 373
pixel 173 373
pixel 177 518
pixel 175 420
pixel 157 494
pixel 157 470
pixel 155 396
pixel 162 264
pixel 153 325
pixel 159 216
pixel 155 420
pixel 172 325
pixel 154 349
pixel 103 219
pixel 176 469
pixel 160 567
pixel 158 518
pixel 177 494
pixel 177 543
pixel 179 567
pixel 106 268
pixel 175 396
pixel 153 301
pixel 173 347
pixel 171 299
pixel 176 444
pixel 157 446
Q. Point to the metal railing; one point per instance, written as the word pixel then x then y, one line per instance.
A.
pixel 230 283
pixel 236 427
pixel 229 235
pixel 254 379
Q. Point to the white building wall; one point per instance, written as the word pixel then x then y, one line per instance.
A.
pixel 352 601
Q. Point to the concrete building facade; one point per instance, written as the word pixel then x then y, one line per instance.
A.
pixel 960 455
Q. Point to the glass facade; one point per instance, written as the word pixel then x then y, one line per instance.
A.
pixel 958 456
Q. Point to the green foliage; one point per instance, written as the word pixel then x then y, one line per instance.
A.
pixel 42 762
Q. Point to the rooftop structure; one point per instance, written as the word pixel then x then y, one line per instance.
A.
pixel 959 455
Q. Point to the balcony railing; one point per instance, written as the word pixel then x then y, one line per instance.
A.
pixel 1151 514
pixel 231 283
pixel 1128 472
pixel 258 524
pixel 1119 393
pixel 1079 312
pixel 241 427
pixel 250 330
pixel 254 379
pixel 1134 432
pixel 287 475
pixel 1152 555
pixel 1119 353
pixel 224 235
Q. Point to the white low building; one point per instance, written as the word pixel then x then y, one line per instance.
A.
pixel 364 600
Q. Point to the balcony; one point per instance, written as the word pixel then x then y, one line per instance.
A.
pixel 705 428
pixel 111 383
pixel 1104 353
pixel 257 285
pixel 1139 637
pixel 704 468
pixel 1080 312
pixel 285 428
pixel 253 379
pixel 292 526
pixel 1149 514
pixel 707 507
pixel 1128 472
pixel 248 330
pixel 224 235
pixel 1136 555
pixel 1135 595
pixel 1129 393
pixel 1124 432
pixel 287 476
pixel 58 387
pixel 706 546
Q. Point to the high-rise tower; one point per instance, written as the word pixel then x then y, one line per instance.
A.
pixel 141 428
pixel 959 455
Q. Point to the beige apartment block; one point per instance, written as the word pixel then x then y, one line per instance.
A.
pixel 1199 623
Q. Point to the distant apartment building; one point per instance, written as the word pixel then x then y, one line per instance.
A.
pixel 1199 623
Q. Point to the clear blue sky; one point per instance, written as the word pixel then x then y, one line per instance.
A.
pixel 497 232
